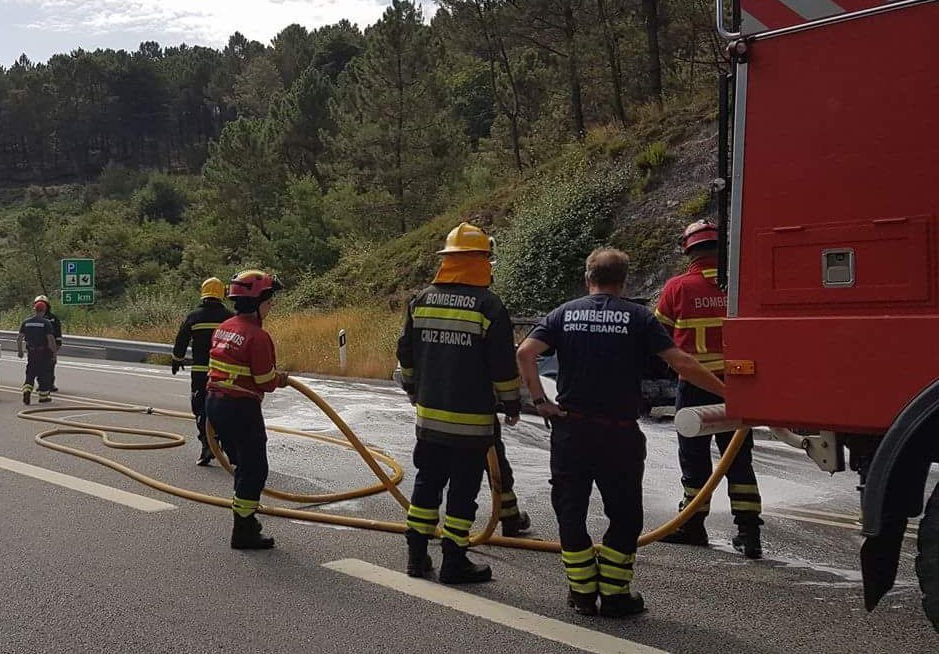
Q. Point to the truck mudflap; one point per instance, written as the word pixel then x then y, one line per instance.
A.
pixel 895 488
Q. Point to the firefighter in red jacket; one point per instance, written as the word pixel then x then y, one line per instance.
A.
pixel 241 370
pixel 458 367
pixel 692 307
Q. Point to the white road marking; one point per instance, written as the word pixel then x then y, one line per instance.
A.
pixel 116 495
pixel 509 616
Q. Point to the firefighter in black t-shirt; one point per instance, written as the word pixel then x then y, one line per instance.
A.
pixel 56 332
pixel 38 334
pixel 603 342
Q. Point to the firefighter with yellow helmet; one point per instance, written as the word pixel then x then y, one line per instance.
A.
pixel 457 362
pixel 197 329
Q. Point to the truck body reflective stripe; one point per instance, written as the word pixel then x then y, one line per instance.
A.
pixel 205 325
pixel 448 325
pixel 440 415
pixel 458 315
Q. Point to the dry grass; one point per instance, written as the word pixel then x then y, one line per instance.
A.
pixel 308 342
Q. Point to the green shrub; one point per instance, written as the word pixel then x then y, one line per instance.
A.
pixel 653 156
pixel 541 254
pixel 696 205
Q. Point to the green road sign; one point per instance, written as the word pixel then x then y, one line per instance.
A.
pixel 78 274
pixel 83 296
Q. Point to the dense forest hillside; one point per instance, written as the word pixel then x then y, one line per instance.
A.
pixel 340 157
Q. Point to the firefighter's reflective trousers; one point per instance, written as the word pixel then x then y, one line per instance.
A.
pixel 39 368
pixel 437 465
pixel 694 456
pixel 198 381
pixel 509 501
pixel 242 434
pixel 584 452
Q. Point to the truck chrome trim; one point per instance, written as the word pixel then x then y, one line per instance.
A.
pixel 736 192
pixel 719 16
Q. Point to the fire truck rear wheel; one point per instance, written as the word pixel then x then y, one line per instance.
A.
pixel 927 562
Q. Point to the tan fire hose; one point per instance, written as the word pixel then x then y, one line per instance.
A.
pixel 389 483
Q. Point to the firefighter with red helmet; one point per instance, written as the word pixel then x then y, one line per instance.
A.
pixel 197 328
pixel 456 353
pixel 692 307
pixel 241 369
pixel 39 335
pixel 56 331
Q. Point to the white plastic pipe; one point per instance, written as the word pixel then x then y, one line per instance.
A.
pixel 705 420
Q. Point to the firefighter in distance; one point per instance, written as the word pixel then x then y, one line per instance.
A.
pixel 241 369
pixel 38 334
pixel 692 308
pixel 458 368
pixel 603 342
pixel 197 328
pixel 56 332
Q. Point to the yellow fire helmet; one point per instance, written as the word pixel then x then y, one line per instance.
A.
pixel 213 287
pixel 466 238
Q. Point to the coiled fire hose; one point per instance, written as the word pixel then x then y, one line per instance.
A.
pixel 370 456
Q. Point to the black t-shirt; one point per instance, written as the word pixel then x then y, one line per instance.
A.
pixel 35 329
pixel 602 344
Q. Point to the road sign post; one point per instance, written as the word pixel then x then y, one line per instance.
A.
pixel 78 281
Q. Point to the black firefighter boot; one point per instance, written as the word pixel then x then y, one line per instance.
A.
pixel 206 456
pixel 747 541
pixel 419 562
pixel 246 534
pixel 621 605
pixel 690 533
pixel 516 525
pixel 456 568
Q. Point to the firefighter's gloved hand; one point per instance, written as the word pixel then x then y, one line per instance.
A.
pixel 511 421
pixel 177 366
pixel 549 409
pixel 282 378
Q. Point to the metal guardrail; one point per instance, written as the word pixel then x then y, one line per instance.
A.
pixel 91 347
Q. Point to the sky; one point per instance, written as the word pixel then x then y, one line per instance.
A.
pixel 42 28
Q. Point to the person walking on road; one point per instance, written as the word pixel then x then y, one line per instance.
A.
pixel 692 307
pixel 39 335
pixel 602 342
pixel 197 328
pixel 241 369
pixel 457 365
pixel 56 332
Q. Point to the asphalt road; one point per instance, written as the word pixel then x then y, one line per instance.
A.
pixel 82 573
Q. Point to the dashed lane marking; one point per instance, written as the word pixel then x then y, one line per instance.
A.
pixel 509 616
pixel 115 495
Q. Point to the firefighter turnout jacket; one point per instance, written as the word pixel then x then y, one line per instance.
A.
pixel 457 359
pixel 692 308
pixel 241 359
pixel 197 328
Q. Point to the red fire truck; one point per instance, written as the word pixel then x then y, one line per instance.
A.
pixel 831 253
